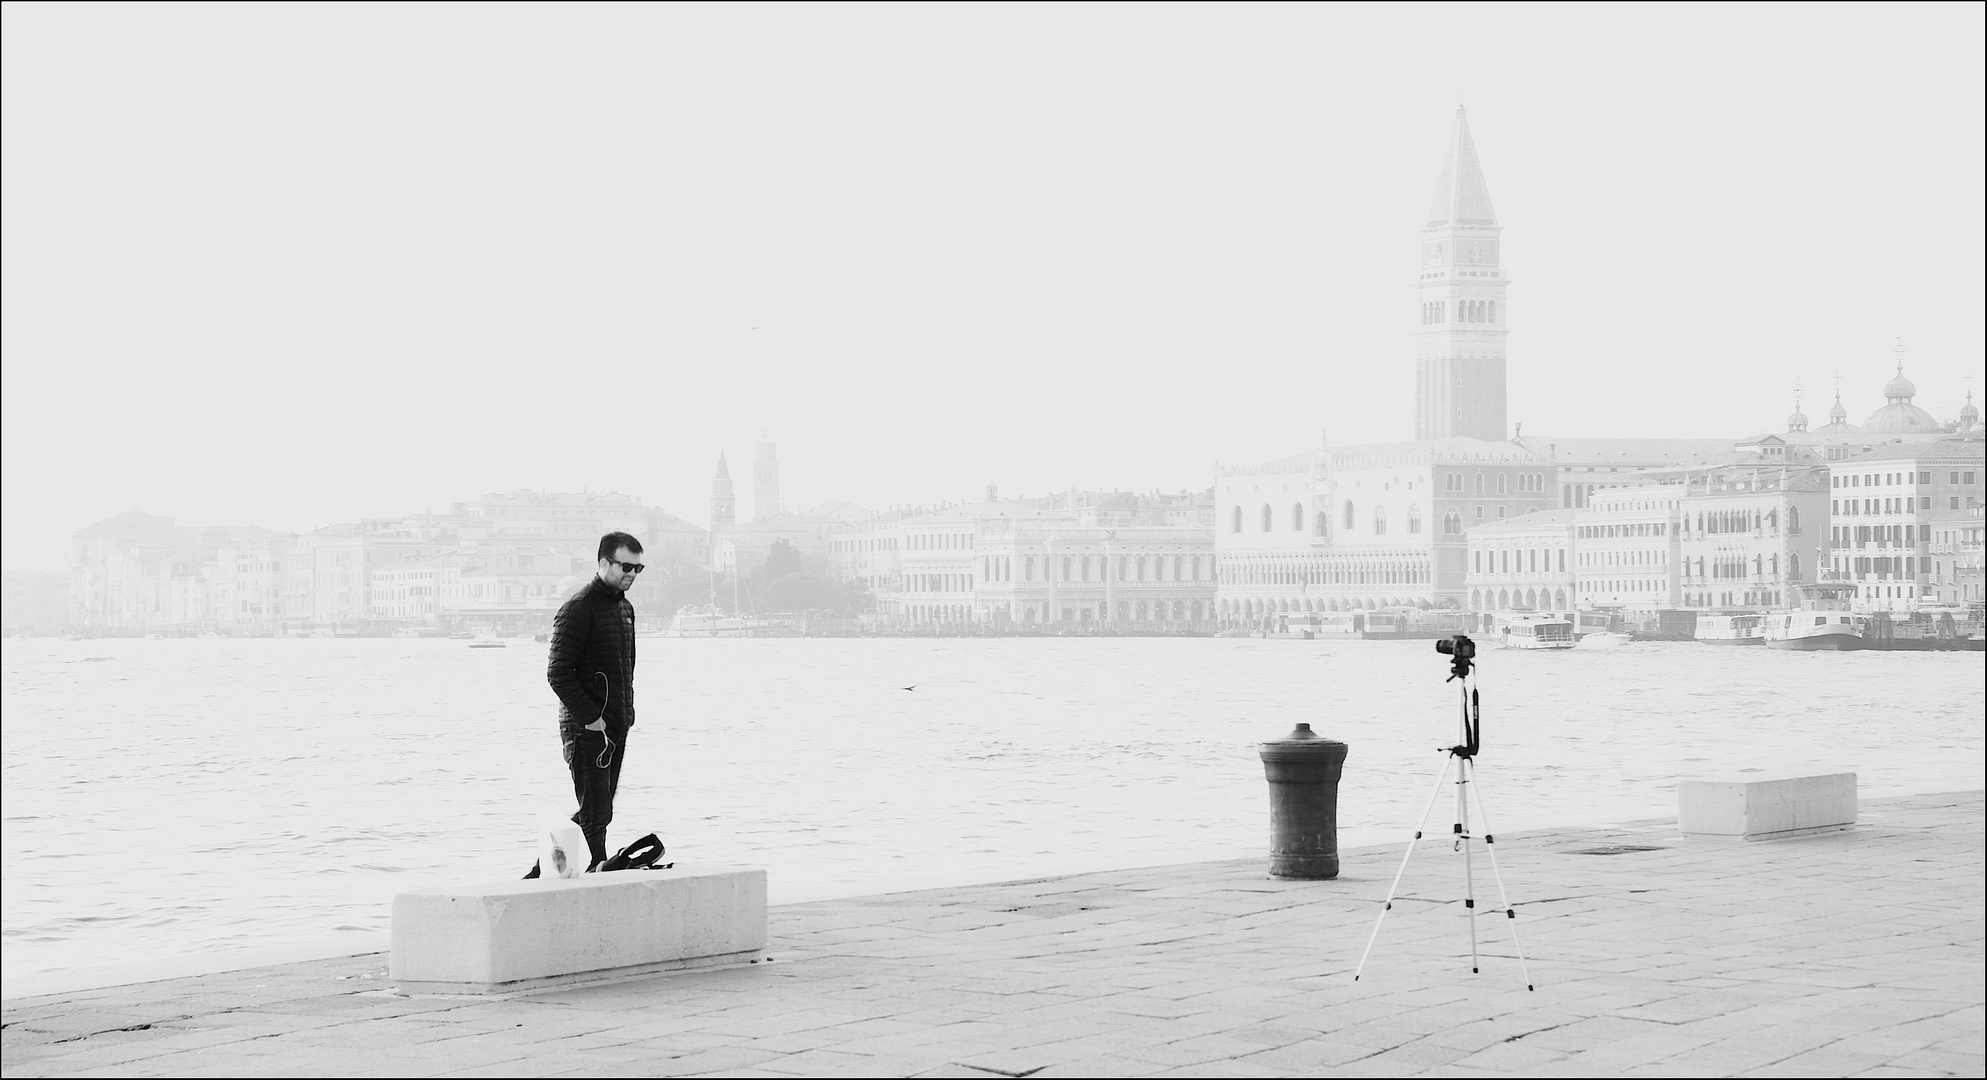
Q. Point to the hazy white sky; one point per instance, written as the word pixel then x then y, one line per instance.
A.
pixel 301 264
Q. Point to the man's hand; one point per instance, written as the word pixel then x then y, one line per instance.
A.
pixel 598 725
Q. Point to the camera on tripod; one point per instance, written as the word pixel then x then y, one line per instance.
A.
pixel 1462 758
pixel 1462 649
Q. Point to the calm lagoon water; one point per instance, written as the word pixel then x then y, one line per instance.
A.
pixel 185 805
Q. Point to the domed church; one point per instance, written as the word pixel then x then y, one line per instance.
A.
pixel 1900 416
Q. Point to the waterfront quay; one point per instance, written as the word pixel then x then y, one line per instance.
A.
pixel 1856 953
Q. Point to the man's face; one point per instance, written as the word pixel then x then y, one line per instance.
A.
pixel 611 572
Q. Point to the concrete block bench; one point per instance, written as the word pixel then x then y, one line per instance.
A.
pixel 1766 808
pixel 519 935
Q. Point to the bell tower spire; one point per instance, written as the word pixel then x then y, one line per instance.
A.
pixel 724 504
pixel 1461 312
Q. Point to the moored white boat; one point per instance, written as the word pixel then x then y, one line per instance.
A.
pixel 1538 632
pixel 1813 631
pixel 704 621
pixel 1739 629
pixel 1604 639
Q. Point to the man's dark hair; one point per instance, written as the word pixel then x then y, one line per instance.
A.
pixel 615 541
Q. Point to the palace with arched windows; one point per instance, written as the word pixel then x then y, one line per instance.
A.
pixel 1364 527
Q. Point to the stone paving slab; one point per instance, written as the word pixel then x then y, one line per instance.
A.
pixel 1857 953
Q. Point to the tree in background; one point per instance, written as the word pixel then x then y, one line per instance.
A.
pixel 781 561
pixel 789 582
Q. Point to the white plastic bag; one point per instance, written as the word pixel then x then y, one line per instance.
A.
pixel 562 851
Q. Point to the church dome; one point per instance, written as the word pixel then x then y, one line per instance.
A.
pixel 1797 420
pixel 1968 415
pixel 1838 421
pixel 1900 417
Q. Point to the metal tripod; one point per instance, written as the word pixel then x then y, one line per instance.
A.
pixel 1463 758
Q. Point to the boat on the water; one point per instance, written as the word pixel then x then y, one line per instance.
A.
pixel 1813 631
pixel 1537 632
pixel 1604 639
pixel 704 621
pixel 1744 628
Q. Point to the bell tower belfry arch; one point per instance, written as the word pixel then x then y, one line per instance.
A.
pixel 1461 312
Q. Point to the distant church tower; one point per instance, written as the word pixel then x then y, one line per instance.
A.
pixel 724 506
pixel 766 479
pixel 1459 293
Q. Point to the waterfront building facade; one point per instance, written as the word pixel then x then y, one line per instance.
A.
pixel 248 583
pixel 1750 536
pixel 1107 562
pixel 37 604
pixel 1365 527
pixel 517 553
pixel 1124 578
pixel 331 578
pixel 1627 544
pixel 1888 504
pixel 418 591
pixel 1524 563
pixel 1955 551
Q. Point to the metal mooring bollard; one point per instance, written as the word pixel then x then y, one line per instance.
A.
pixel 1303 772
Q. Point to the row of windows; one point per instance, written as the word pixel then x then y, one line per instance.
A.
pixel 1257 574
pixel 1873 479
pixel 1882 565
pixel 1452 521
pixel 1504 599
pixel 1738 521
pixel 1526 482
pixel 1080 568
pixel 1500 561
pixel 1854 507
pixel 1611 532
pixel 1468 311
pixel 1725 567
pixel 1899 535
pixel 1903 505
pixel 1622 558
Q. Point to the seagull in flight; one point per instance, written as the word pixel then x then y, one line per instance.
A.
pixel 913 686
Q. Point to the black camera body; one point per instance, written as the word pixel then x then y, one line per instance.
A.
pixel 1462 649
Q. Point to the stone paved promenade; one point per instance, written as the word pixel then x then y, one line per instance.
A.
pixel 1855 954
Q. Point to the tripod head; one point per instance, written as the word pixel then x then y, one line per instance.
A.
pixel 1461 650
pixel 1462 653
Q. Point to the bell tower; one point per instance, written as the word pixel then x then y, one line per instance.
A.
pixel 724 504
pixel 766 479
pixel 1460 308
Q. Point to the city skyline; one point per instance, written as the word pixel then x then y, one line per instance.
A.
pixel 1109 277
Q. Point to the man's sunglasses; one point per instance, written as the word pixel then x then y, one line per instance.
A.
pixel 626 567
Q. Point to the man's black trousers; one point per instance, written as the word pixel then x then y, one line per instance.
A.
pixel 595 762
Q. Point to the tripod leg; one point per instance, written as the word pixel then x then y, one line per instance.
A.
pixel 1490 846
pixel 1463 773
pixel 1398 874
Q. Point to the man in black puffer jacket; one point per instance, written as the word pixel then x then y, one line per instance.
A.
pixel 592 669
